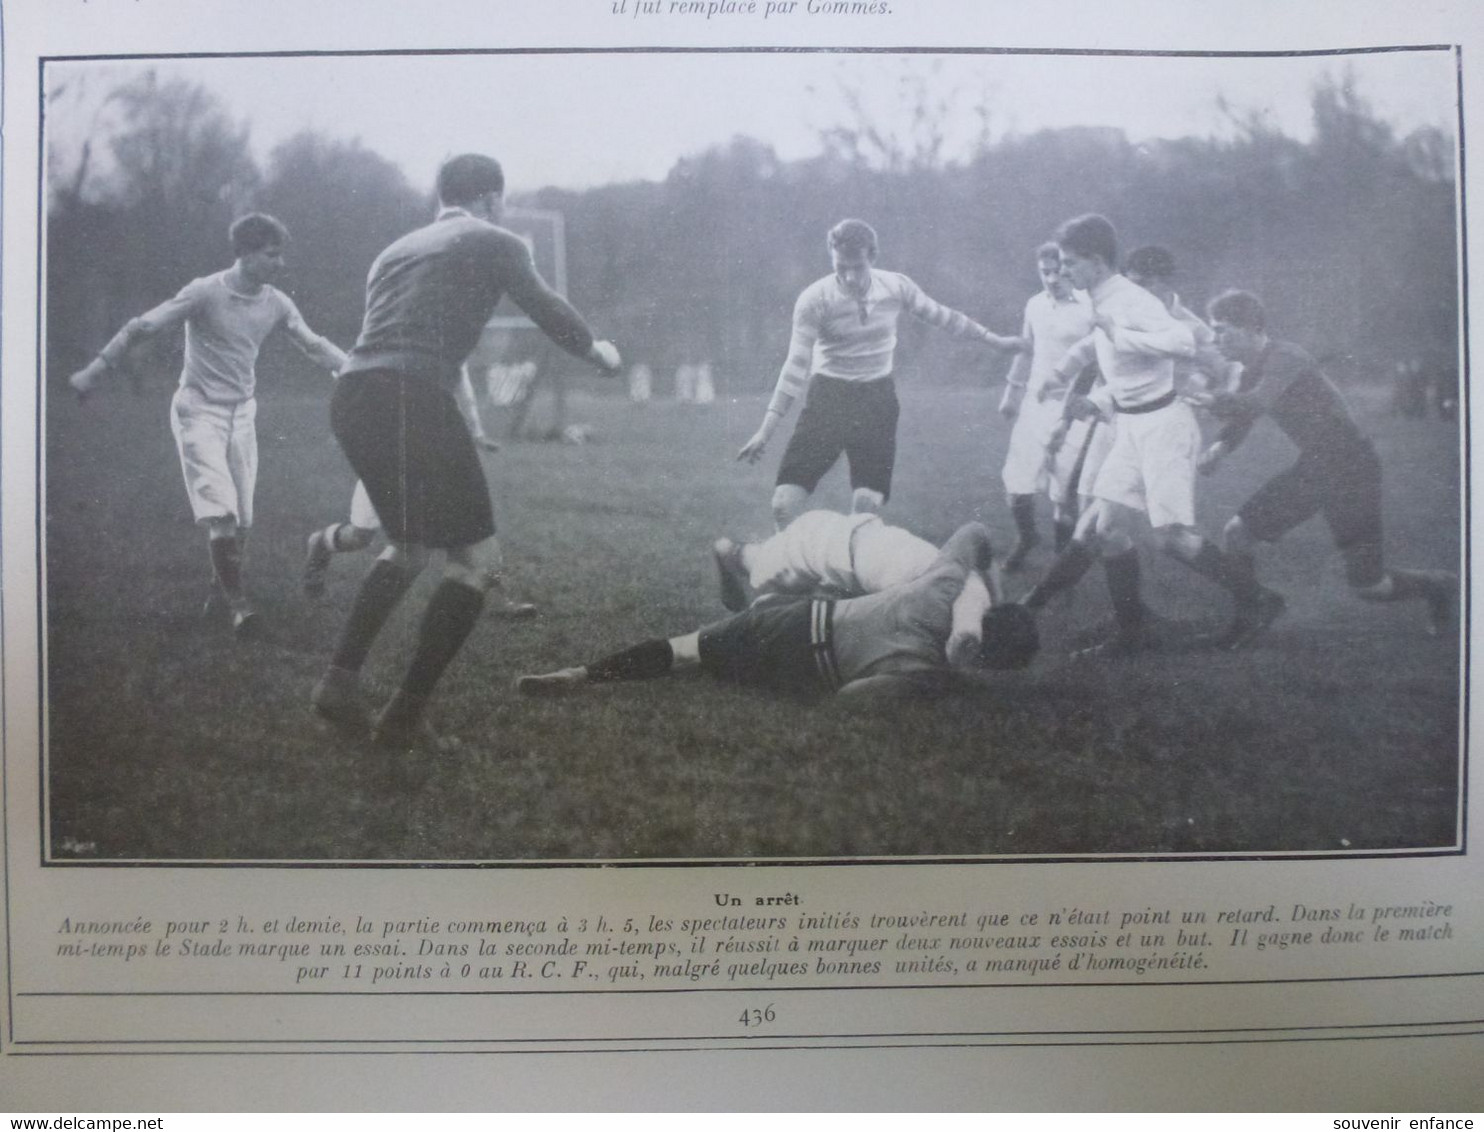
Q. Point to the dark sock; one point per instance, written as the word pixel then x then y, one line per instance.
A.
pixel 1023 511
pixel 641 662
pixel 1062 533
pixel 331 536
pixel 1123 574
pixel 1066 571
pixel 226 563
pixel 452 612
pixel 1232 572
pixel 378 596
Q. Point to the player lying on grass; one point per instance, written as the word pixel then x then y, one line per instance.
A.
pixel 829 555
pixel 1150 468
pixel 898 642
pixel 1337 474
pixel 362 525
pixel 842 350
pixel 227 316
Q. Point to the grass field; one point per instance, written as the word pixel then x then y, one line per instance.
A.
pixel 168 740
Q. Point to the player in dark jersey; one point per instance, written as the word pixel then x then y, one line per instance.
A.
pixel 1337 473
pixel 428 298
pixel 896 642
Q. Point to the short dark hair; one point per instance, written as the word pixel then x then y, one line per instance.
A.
pixel 256 231
pixel 1049 250
pixel 469 176
pixel 1010 637
pixel 1238 308
pixel 853 237
pixel 1090 235
pixel 1150 261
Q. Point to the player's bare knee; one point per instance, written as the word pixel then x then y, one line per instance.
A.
pixel 412 559
pixel 864 500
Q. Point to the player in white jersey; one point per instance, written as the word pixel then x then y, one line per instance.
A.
pixel 824 554
pixel 842 351
pixel 1157 441
pixel 1153 268
pixel 905 640
pixel 227 316
pixel 1055 320
pixel 362 524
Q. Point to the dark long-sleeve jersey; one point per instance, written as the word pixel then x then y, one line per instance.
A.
pixel 1286 384
pixel 430 294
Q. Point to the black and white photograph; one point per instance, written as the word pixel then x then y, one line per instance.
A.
pixel 751 455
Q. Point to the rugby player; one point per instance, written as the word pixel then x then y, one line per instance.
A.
pixel 897 642
pixel 227 317
pixel 1151 465
pixel 845 336
pixel 428 298
pixel 1337 473
pixel 1055 320
pixel 826 554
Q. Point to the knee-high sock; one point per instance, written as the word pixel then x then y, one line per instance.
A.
pixel 1062 533
pixel 1023 511
pixel 641 662
pixel 1123 576
pixel 377 597
pixel 1233 573
pixel 226 563
pixel 452 612
pixel 1066 571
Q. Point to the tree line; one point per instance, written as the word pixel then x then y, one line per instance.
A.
pixel 1351 237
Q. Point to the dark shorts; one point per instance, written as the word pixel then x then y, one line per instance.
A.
pixel 781 645
pixel 858 418
pixel 1346 490
pixel 406 440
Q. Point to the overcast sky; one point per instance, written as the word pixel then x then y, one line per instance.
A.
pixel 580 120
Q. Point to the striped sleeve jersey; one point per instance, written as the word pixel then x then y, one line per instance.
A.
pixel 839 335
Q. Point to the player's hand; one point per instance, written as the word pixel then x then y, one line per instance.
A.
pixel 1211 457
pixel 605 356
pixel 82 383
pixel 753 449
pixel 1083 408
pixel 1010 402
pixel 1200 398
pixel 963 647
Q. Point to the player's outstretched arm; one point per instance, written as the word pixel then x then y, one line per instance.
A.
pixel 758 442
pixel 170 313
pixel 793 378
pixel 313 346
pixel 558 319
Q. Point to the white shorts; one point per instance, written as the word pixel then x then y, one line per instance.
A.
pixel 1025 471
pixel 362 513
pixel 1079 460
pixel 1151 466
pixel 218 447
pixel 851 554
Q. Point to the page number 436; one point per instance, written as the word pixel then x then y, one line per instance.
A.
pixel 756 1016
